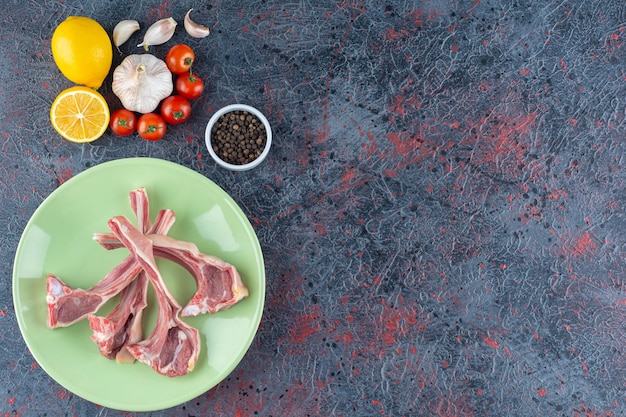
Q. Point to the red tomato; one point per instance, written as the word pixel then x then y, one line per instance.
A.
pixel 123 122
pixel 175 109
pixel 189 86
pixel 151 126
pixel 179 58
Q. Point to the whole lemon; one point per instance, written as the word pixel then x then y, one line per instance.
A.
pixel 82 51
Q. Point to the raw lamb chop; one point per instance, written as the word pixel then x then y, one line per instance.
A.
pixel 123 325
pixel 219 283
pixel 67 305
pixel 173 347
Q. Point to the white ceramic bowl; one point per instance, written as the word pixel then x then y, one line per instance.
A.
pixel 228 109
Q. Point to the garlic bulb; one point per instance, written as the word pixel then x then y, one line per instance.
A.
pixel 141 82
pixel 160 32
pixel 194 29
pixel 123 30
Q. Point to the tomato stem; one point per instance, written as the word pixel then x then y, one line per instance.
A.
pixel 124 123
pixel 178 115
pixel 152 128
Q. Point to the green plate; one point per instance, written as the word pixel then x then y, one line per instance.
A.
pixel 58 239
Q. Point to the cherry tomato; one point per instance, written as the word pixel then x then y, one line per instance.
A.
pixel 123 122
pixel 151 126
pixel 189 86
pixel 179 58
pixel 175 109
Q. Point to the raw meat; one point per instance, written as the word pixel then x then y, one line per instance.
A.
pixel 173 347
pixel 67 305
pixel 219 283
pixel 123 325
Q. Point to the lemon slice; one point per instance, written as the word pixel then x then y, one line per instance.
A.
pixel 80 114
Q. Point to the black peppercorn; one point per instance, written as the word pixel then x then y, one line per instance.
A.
pixel 238 137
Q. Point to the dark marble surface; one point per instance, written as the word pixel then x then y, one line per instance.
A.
pixel 442 213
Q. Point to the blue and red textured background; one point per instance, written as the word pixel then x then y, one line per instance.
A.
pixel 442 213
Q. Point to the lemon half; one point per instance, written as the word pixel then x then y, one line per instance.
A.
pixel 80 114
pixel 82 51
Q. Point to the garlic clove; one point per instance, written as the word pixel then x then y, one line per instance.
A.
pixel 160 32
pixel 123 30
pixel 194 29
